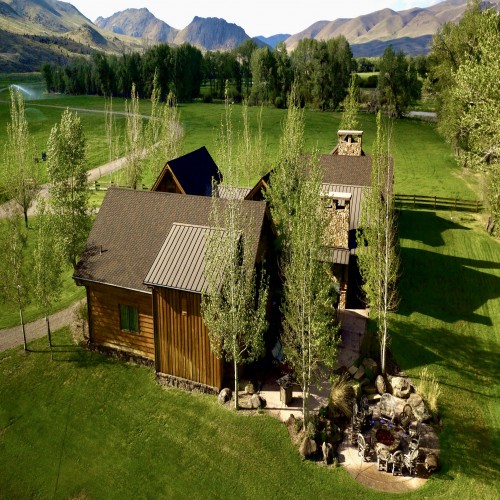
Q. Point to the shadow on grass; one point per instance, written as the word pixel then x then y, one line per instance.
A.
pixel 425 226
pixel 445 287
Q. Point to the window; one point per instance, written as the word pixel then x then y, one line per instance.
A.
pixel 129 318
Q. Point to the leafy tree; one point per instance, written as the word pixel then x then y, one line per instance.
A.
pixel 234 305
pixel 283 74
pixel 263 66
pixel 398 83
pixel 476 94
pixel 20 170
pixel 349 119
pixel 68 189
pixel 47 264
pixel 377 241
pixel 14 280
pixel 244 56
pixel 134 141
pixel 294 195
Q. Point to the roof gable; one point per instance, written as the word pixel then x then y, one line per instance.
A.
pixel 193 172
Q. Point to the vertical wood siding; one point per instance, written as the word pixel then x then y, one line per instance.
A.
pixel 104 316
pixel 182 338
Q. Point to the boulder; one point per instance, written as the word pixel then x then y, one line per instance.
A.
pixel 401 387
pixel 224 395
pixel 371 365
pixel 380 384
pixel 250 388
pixel 308 447
pixel 352 370
pixel 360 373
pixel 419 409
pixel 431 462
pixel 326 448
pixel 257 402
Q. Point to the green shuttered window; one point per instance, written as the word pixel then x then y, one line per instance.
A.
pixel 129 318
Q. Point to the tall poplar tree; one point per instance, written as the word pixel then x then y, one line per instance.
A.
pixel 134 141
pixel 68 188
pixel 47 264
pixel 20 170
pixel 307 307
pixel 377 240
pixel 14 280
pixel 234 305
pixel 349 120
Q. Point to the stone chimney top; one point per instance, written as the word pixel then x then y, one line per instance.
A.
pixel 350 142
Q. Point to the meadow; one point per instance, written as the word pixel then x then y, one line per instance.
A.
pixel 87 426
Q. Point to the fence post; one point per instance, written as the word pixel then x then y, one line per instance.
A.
pixel 477 206
pixel 434 202
pixel 456 199
pixel 414 201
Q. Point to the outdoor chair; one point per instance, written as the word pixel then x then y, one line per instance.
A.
pixel 387 405
pixel 414 443
pixel 397 463
pixel 415 428
pixel 383 459
pixel 410 460
pixel 364 448
pixel 406 417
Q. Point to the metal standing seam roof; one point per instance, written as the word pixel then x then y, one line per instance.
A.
pixel 336 255
pixel 233 192
pixel 180 263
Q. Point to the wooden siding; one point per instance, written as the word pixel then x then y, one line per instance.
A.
pixel 104 318
pixel 183 346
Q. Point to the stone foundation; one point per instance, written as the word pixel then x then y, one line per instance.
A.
pixel 185 384
pixel 122 355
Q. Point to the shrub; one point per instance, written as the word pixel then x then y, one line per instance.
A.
pixel 428 389
pixel 341 394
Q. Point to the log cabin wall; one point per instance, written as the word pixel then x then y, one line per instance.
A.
pixel 183 346
pixel 104 320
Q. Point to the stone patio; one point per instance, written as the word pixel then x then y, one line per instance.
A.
pixel 353 327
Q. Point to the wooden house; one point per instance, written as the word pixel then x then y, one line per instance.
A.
pixel 191 173
pixel 143 271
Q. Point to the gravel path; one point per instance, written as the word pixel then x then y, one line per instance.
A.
pixel 13 337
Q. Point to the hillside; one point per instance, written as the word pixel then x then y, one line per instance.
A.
pixel 139 23
pixel 408 29
pixel 37 31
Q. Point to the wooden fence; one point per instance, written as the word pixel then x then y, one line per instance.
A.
pixel 417 200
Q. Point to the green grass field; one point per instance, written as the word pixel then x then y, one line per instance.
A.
pixel 87 426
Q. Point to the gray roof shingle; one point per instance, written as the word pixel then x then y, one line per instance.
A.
pixel 132 226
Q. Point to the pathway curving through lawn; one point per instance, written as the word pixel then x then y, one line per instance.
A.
pixel 13 337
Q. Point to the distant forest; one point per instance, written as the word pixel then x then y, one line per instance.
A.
pixel 321 69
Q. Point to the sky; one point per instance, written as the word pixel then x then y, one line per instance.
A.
pixel 256 17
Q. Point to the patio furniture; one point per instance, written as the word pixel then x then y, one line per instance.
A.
pixel 383 459
pixel 410 460
pixel 387 406
pixel 414 443
pixel 406 417
pixel 364 448
pixel 415 428
pixel 397 463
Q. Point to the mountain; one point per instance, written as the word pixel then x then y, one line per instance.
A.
pixel 371 33
pixel 211 33
pixel 139 23
pixel 35 31
pixel 274 40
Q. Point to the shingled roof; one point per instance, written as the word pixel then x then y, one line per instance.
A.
pixel 346 170
pixel 194 172
pixel 132 226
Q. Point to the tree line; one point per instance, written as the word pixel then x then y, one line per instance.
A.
pixel 322 70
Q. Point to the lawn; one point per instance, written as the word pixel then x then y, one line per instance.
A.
pixel 69 295
pixel 449 321
pixel 86 426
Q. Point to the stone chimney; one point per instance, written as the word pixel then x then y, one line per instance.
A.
pixel 349 143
